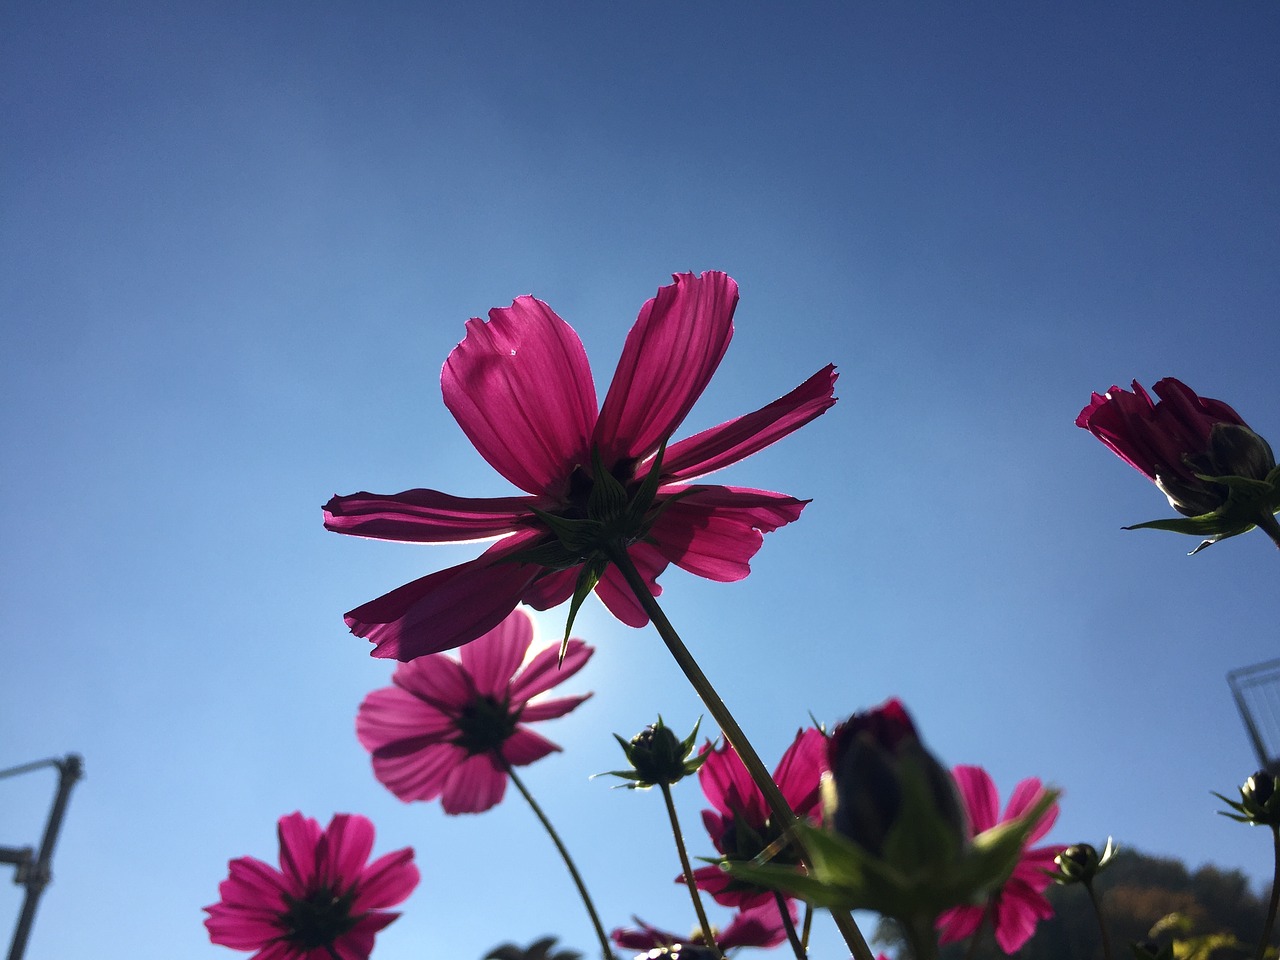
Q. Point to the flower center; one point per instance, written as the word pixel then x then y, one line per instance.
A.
pixel 484 725
pixel 318 919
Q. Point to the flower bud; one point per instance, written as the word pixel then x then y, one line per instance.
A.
pixel 657 756
pixel 1081 862
pixel 872 756
pixel 1259 801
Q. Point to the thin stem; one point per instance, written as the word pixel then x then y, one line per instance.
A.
pixel 1270 526
pixel 729 727
pixel 808 922
pixel 1275 897
pixel 796 946
pixel 708 936
pixel 568 860
pixel 1102 925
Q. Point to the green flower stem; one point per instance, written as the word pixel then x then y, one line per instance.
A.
pixel 1102 924
pixel 808 922
pixel 606 950
pixel 729 727
pixel 987 914
pixel 796 946
pixel 1275 895
pixel 1270 526
pixel 708 935
pixel 922 937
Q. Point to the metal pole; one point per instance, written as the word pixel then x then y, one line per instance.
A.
pixel 70 769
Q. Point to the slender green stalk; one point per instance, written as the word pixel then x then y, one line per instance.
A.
pixel 806 925
pixel 1275 895
pixel 987 913
pixel 708 935
pixel 568 861
pixel 729 727
pixel 922 937
pixel 796 946
pixel 1102 924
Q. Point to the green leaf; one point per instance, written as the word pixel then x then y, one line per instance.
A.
pixel 587 580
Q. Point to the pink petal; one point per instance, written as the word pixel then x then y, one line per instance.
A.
pixel 551 709
pixel 799 773
pixel 391 714
pixel 416 769
pixel 426 516
pixel 714 531
pixel 237 930
pixel 729 788
pixel 646 938
pixel 1017 913
pixel 669 357
pixel 437 680
pixel 1024 797
pixel 979 795
pixel 473 786
pixel 253 885
pixel 618 597
pixel 447 608
pixel 759 926
pixel 349 841
pixel 544 671
pixel 387 881
pixel 520 387
pixel 716 882
pixel 959 923
pixel 738 439
pixel 493 659
pixel 299 837
pixel 551 589
pixel 524 747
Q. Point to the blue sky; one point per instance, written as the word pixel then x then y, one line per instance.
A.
pixel 238 240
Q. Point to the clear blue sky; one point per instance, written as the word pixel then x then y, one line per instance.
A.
pixel 238 240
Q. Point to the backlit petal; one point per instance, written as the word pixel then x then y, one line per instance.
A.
pixel 524 747
pixel 520 387
pixel 494 658
pixel 425 516
pixel 979 795
pixel 416 769
pixel 714 532
pixel 544 671
pixel 550 709
pixel 670 355
pixel 391 714
pixel 474 785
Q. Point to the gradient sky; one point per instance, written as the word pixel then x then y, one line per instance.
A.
pixel 238 240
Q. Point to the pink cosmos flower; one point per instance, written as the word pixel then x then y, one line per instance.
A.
pixel 741 826
pixel 521 390
pixel 450 729
pixel 760 926
pixel 325 902
pixel 1020 904
pixel 1174 440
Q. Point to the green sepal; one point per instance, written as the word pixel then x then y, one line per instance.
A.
pixel 1247 499
pixel 637 510
pixel 577 536
pixel 608 497
pixel 592 570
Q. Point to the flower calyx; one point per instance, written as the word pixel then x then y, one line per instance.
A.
pixel 1081 862
pixel 658 757
pixel 1259 802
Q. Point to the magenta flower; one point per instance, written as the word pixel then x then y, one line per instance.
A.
pixel 450 729
pixel 1201 454
pixel 521 389
pixel 741 826
pixel 761 926
pixel 1020 903
pixel 325 902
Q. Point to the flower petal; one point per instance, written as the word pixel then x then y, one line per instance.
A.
pixel 520 388
pixel 669 357
pixel 1017 912
pixel 348 843
pixel 551 588
pixel 959 923
pixel 724 891
pixel 799 773
pixel 391 714
pixel 545 670
pixel 493 659
pixel 416 769
pixel 614 592
pixel 447 608
pixel 437 680
pixel 979 795
pixel 759 926
pixel 524 746
pixel 299 837
pixel 714 531
pixel 425 516
pixel 387 881
pixel 1024 797
pixel 738 439
pixel 729 788
pixel 474 785
pixel 551 709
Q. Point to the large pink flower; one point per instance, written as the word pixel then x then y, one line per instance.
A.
pixel 450 729
pixel 521 389
pixel 760 926
pixel 741 825
pixel 1020 904
pixel 325 902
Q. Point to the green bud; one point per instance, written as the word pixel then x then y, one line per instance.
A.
pixel 1081 862
pixel 657 756
pixel 1259 801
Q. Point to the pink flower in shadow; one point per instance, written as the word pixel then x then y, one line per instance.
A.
pixel 741 826
pixel 520 388
pixel 450 728
pixel 1020 904
pixel 760 926
pixel 325 901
